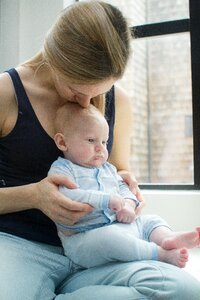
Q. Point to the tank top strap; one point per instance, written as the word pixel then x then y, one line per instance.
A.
pixel 110 115
pixel 21 96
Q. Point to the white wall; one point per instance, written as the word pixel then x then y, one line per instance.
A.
pixel 181 209
pixel 34 23
pixel 23 25
pixel 9 33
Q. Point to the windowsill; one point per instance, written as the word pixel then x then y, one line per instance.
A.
pixel 181 193
pixel 179 208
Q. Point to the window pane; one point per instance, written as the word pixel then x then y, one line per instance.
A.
pixel 152 11
pixel 168 10
pixel 158 80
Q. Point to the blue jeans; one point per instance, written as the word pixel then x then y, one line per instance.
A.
pixel 34 271
pixel 115 242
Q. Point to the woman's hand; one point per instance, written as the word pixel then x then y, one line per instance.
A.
pixel 134 188
pixel 55 205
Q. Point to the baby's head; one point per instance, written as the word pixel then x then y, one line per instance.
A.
pixel 82 134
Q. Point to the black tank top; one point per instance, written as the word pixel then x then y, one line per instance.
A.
pixel 26 155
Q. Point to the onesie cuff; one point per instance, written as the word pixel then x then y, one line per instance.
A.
pixel 105 201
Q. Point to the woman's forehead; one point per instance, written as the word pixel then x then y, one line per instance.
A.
pixel 92 89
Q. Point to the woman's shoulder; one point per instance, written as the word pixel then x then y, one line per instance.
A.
pixel 6 87
pixel 8 104
pixel 6 92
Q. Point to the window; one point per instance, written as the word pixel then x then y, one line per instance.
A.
pixel 162 98
pixel 163 81
pixel 172 98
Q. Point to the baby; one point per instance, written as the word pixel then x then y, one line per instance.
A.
pixel 112 232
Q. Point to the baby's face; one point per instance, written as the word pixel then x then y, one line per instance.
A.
pixel 87 145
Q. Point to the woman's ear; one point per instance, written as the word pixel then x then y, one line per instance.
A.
pixel 60 141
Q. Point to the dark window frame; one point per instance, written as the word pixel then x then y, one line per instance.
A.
pixel 191 25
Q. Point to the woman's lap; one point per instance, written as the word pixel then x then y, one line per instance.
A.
pixel 28 269
pixel 145 280
pixel 32 271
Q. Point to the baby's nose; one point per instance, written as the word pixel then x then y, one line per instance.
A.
pixel 99 147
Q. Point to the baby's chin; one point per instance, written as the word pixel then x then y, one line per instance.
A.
pixel 94 164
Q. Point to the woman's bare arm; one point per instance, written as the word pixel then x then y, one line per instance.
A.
pixel 45 196
pixel 120 154
pixel 122 131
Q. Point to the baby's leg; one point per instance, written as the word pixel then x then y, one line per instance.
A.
pixel 168 239
pixel 124 244
pixel 116 242
pixel 134 248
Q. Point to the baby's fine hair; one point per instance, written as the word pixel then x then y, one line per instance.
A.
pixel 71 113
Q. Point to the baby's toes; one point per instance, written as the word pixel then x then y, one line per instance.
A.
pixel 184 254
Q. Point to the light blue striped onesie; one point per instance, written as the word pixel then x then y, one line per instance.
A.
pixel 99 237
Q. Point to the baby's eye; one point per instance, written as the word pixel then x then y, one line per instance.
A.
pixel 91 140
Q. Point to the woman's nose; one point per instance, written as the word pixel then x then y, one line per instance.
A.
pixel 83 101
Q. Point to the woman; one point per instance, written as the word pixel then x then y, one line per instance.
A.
pixel 84 54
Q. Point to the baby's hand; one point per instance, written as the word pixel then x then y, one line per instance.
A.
pixel 116 203
pixel 127 214
pixel 130 180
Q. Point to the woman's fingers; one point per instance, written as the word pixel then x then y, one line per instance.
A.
pixel 67 217
pixel 62 180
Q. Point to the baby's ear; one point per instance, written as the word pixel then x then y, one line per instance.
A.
pixel 60 141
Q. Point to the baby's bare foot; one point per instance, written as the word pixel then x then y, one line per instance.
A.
pixel 176 257
pixel 179 240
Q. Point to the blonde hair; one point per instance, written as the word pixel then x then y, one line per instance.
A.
pixel 90 42
pixel 71 114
